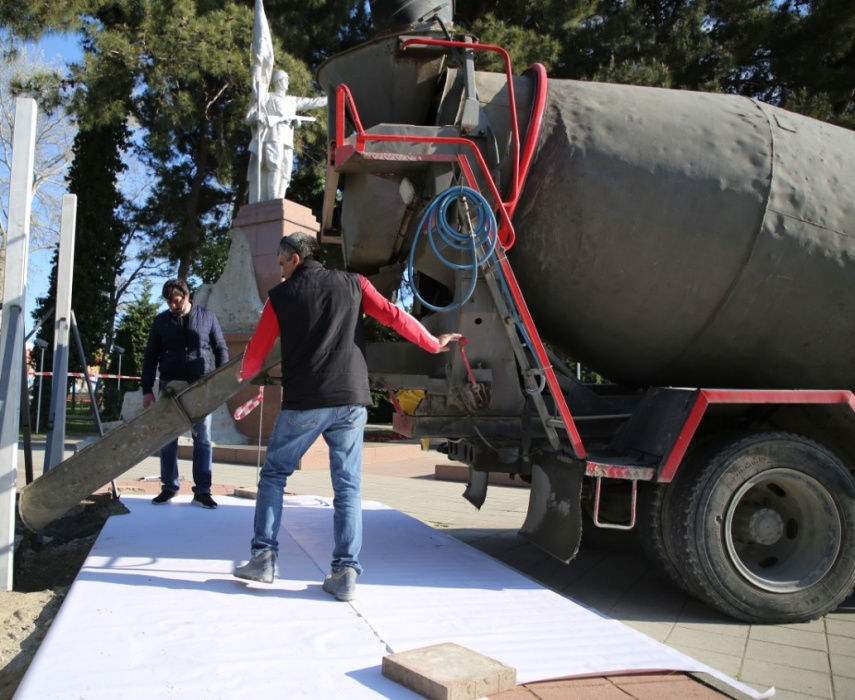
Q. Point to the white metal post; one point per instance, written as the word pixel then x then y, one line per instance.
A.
pixel 14 308
pixel 55 443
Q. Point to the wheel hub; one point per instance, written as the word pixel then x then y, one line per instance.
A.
pixel 782 530
pixel 763 526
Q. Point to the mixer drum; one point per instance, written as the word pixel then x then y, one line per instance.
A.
pixel 688 239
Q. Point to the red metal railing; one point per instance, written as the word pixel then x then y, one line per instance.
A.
pixel 361 137
pixel 344 147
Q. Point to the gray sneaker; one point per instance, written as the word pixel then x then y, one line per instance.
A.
pixel 342 583
pixel 258 568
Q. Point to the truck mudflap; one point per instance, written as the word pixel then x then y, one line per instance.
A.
pixel 182 406
pixel 554 518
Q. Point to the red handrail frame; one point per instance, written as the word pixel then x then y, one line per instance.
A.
pixel 343 148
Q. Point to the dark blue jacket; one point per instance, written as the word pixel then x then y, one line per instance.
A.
pixel 183 347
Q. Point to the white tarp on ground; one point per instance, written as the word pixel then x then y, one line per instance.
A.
pixel 155 612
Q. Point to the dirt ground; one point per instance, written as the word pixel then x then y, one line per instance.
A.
pixel 44 568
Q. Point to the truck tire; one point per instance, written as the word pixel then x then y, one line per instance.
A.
pixel 657 529
pixel 766 529
pixel 657 540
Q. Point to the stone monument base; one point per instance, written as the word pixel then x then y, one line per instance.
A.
pixel 264 224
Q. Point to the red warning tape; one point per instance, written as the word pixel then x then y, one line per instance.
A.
pixel 247 408
pixel 94 377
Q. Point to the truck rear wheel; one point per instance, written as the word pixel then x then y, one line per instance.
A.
pixel 657 528
pixel 765 529
pixel 654 504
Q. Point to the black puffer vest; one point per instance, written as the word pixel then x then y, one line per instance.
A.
pixel 323 347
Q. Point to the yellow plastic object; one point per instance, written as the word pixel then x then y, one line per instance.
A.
pixel 409 400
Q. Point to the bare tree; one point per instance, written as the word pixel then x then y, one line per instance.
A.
pixel 54 136
pixel 142 261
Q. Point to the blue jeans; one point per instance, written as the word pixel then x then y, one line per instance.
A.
pixel 202 458
pixel 293 434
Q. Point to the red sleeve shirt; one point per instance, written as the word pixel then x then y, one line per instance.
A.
pixel 266 333
pixel 373 303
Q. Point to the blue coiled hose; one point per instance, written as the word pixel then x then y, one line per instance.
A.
pixel 435 224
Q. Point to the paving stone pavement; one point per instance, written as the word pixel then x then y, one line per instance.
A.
pixel 806 661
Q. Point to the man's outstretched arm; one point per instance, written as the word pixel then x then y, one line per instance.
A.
pixel 380 308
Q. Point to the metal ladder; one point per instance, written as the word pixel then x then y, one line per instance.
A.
pixel 495 268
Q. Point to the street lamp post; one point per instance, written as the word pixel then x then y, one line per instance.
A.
pixel 42 345
pixel 121 351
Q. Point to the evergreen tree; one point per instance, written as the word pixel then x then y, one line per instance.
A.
pixel 210 260
pixel 132 335
pixel 100 236
pixel 184 60
pixel 314 30
pixel 768 49
pixel 188 64
pixel 44 313
pixel 811 58
pixel 529 32
pixel 100 233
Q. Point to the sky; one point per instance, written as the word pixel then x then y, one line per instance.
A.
pixel 63 46
pixel 56 49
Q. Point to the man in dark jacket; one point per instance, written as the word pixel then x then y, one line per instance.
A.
pixel 317 315
pixel 186 342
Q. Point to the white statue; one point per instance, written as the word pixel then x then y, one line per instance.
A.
pixel 273 122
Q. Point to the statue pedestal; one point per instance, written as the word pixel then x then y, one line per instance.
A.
pixel 264 224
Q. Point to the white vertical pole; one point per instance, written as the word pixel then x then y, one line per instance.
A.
pixel 55 442
pixel 14 308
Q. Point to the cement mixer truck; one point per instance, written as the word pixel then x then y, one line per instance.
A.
pixel 695 250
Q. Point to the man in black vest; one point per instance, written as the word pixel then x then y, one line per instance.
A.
pixel 317 315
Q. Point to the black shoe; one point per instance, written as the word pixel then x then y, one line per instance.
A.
pixel 204 500
pixel 163 497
